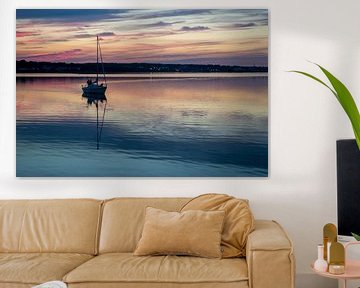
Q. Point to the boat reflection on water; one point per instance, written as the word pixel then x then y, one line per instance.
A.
pixel 96 99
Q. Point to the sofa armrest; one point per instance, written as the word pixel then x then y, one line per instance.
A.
pixel 269 256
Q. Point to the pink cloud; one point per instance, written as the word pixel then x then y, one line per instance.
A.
pixel 25 33
pixel 53 57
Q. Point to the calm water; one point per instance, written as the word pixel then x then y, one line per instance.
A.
pixel 197 125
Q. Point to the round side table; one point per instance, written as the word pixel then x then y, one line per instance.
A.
pixel 352 269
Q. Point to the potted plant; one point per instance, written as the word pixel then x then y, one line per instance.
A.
pixel 346 100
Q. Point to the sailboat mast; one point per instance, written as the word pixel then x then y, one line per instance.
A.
pixel 97 59
pixel 102 63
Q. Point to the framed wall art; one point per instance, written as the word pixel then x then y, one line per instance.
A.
pixel 122 93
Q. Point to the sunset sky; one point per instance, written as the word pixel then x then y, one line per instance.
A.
pixel 226 37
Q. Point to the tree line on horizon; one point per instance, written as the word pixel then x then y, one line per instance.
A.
pixel 23 66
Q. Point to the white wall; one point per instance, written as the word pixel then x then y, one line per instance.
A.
pixel 305 120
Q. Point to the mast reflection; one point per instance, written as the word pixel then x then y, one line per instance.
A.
pixel 96 99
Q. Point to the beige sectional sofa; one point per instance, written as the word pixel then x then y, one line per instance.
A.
pixel 89 243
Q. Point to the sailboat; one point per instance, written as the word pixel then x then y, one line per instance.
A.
pixel 94 87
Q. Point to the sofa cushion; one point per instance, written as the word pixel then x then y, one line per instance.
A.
pixel 36 268
pixel 194 232
pixel 123 220
pixel 239 220
pixel 237 284
pixel 63 226
pixel 126 268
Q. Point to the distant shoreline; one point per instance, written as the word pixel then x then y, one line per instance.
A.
pixel 146 76
pixel 29 67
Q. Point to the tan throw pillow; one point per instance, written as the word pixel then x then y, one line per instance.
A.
pixel 196 233
pixel 239 220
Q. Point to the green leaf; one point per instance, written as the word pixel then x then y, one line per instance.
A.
pixel 344 97
pixel 316 79
pixel 356 236
pixel 347 102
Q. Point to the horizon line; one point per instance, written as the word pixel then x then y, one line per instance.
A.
pixel 147 63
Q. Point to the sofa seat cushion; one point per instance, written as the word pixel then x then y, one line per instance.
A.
pixel 127 268
pixel 36 268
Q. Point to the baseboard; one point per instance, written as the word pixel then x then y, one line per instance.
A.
pixel 310 280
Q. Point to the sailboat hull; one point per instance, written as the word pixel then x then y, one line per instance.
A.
pixel 94 90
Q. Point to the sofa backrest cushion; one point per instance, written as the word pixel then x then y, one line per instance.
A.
pixel 239 220
pixel 123 220
pixel 66 226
